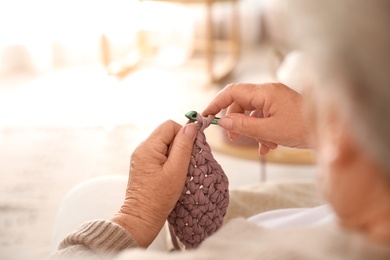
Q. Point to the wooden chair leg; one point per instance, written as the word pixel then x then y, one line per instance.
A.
pixel 209 41
pixel 235 32
pixel 105 51
pixel 225 67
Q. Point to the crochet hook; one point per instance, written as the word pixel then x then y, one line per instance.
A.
pixel 192 116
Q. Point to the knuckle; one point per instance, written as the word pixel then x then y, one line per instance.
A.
pixel 136 156
pixel 275 87
pixel 270 88
pixel 229 86
pixel 245 125
pixel 169 123
pixel 134 160
pixel 232 87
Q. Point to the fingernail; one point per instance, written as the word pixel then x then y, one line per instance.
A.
pixel 226 123
pixel 232 136
pixel 190 131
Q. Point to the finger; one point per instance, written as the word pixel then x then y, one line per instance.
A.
pixel 162 137
pixel 263 149
pixel 180 153
pixel 235 108
pixel 258 113
pixel 246 95
pixel 259 128
pixel 233 136
pixel 270 145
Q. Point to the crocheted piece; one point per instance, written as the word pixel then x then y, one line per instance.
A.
pixel 202 206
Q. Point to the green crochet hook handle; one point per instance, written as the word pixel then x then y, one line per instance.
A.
pixel 192 116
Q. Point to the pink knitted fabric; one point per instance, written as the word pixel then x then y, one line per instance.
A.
pixel 205 197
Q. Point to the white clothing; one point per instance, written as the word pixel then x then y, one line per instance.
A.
pixel 295 218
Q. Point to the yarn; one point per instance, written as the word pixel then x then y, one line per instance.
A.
pixel 202 206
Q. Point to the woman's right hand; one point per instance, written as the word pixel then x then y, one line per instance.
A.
pixel 275 118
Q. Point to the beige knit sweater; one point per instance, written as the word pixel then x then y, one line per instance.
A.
pixel 238 239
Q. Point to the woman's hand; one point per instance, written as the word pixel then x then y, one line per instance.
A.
pixel 275 114
pixel 157 174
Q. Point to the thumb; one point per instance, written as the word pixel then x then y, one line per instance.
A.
pixel 181 149
pixel 255 127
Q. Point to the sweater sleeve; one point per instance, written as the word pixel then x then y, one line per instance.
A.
pixel 95 238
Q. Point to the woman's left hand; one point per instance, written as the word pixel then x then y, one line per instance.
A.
pixel 158 171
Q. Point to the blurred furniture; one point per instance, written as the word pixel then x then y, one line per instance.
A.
pixel 117 67
pixel 216 71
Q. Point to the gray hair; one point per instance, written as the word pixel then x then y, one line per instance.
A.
pixel 353 35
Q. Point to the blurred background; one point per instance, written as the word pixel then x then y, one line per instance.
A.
pixel 83 82
pixel 81 42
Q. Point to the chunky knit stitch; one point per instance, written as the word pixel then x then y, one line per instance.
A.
pixel 205 197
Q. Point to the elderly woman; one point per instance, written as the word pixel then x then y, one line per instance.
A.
pixel 346 118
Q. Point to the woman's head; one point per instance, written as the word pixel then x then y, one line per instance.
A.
pixel 346 45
